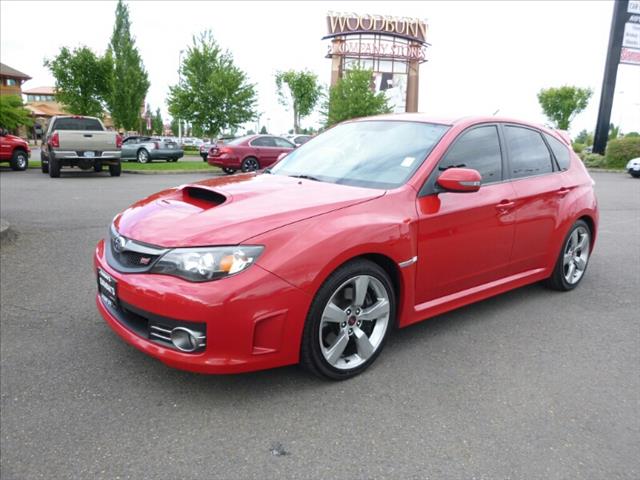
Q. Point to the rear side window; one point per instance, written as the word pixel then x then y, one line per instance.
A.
pixel 528 153
pixel 77 124
pixel 560 151
pixel 478 149
pixel 263 142
pixel 282 143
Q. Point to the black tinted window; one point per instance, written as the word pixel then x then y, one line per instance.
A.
pixel 478 149
pixel 77 124
pixel 263 142
pixel 527 151
pixel 561 152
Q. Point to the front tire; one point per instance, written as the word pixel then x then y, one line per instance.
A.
pixel 250 164
pixel 19 160
pixel 143 156
pixel 573 259
pixel 349 321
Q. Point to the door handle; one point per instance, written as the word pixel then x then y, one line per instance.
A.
pixel 505 205
pixel 563 191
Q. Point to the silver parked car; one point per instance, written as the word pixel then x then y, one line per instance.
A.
pixel 146 149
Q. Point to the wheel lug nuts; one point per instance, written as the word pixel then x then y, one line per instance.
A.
pixel 359 323
pixel 358 311
pixel 350 331
pixel 348 311
pixel 343 324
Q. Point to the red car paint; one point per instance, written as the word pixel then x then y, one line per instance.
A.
pixel 9 144
pixel 231 155
pixel 469 246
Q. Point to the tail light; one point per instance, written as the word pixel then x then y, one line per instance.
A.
pixel 55 140
pixel 118 141
pixel 225 150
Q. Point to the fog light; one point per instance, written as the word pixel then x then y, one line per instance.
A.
pixel 186 340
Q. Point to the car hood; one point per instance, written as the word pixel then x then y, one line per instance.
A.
pixel 231 210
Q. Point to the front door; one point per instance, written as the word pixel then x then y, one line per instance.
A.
pixel 465 239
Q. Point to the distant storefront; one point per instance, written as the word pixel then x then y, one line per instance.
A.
pixel 392 47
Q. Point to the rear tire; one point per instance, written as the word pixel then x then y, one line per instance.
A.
pixel 97 167
pixel 19 160
pixel 634 174
pixel 349 321
pixel 115 170
pixel 573 259
pixel 250 164
pixel 54 166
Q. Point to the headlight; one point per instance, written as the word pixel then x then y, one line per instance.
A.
pixel 202 264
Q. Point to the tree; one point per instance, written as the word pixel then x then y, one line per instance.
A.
pixel 302 93
pixel 174 127
pixel 156 122
pixel 213 93
pixel 128 81
pixel 263 130
pixel 81 80
pixel 585 138
pixel 562 104
pixel 352 97
pixel 614 131
pixel 12 113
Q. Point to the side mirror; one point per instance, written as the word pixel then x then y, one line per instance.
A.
pixel 460 180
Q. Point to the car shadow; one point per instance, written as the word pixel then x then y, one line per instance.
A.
pixel 254 385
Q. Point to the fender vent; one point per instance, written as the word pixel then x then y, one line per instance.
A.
pixel 205 195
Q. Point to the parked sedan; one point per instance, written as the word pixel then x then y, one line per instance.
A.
pixel 377 223
pixel 146 149
pixel 248 153
pixel 633 167
pixel 205 147
pixel 298 140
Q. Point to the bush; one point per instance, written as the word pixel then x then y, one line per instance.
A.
pixel 621 150
pixel 578 147
pixel 595 160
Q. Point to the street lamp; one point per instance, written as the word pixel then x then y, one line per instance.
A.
pixel 179 84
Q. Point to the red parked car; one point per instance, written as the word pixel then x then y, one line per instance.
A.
pixel 248 153
pixel 14 150
pixel 374 224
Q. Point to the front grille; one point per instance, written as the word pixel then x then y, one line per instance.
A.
pixel 129 256
pixel 133 259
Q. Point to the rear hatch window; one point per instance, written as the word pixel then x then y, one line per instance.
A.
pixel 90 124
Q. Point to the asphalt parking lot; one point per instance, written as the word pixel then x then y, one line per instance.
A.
pixel 531 384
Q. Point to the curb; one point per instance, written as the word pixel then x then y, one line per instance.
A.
pixel 170 172
pixel 6 232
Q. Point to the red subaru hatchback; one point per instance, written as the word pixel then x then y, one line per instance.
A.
pixel 377 223
pixel 248 153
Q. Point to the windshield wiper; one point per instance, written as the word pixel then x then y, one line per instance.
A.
pixel 306 177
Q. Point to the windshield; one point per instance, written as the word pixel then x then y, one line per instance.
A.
pixel 374 153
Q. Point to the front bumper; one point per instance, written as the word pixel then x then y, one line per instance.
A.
pixel 254 320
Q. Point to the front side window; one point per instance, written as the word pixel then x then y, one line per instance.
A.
pixel 370 153
pixel 528 153
pixel 478 149
pixel 560 151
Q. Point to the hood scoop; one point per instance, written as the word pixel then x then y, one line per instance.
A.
pixel 204 197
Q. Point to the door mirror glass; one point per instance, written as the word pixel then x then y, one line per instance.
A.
pixel 460 180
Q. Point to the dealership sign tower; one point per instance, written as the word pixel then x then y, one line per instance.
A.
pixel 392 47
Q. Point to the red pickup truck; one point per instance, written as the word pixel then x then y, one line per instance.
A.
pixel 14 150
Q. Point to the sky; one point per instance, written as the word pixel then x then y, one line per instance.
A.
pixel 484 56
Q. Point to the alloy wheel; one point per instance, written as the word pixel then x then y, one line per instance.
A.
pixel 576 255
pixel 250 165
pixel 354 322
pixel 143 156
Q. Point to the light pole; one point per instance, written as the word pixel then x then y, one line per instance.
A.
pixel 179 83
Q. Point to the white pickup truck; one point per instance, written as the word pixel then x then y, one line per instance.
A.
pixel 83 142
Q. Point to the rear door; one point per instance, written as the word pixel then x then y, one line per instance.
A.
pixel 538 191
pixel 465 239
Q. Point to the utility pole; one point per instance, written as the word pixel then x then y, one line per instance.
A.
pixel 618 20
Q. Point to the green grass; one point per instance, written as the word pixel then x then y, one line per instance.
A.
pixel 198 165
pixel 166 166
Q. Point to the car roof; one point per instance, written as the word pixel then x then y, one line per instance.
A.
pixel 463 121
